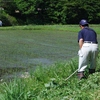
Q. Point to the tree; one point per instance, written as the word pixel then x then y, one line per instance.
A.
pixel 55 11
pixel 7 12
pixel 92 8
pixel 52 11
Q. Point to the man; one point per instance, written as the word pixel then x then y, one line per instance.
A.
pixel 0 23
pixel 88 48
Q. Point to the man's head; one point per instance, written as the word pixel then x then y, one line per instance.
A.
pixel 83 22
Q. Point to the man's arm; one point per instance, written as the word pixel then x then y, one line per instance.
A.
pixel 80 43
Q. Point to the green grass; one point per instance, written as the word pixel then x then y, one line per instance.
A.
pixel 70 28
pixel 50 84
pixel 46 82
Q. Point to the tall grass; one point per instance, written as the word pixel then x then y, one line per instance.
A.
pixel 50 83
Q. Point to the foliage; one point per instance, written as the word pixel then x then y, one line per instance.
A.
pixel 8 20
pixel 52 12
pixel 50 84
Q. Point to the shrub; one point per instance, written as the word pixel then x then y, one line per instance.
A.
pixel 8 20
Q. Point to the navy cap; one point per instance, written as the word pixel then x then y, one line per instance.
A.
pixel 83 22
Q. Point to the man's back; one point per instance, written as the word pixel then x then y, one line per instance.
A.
pixel 88 34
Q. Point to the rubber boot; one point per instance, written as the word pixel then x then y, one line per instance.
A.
pixel 91 71
pixel 80 75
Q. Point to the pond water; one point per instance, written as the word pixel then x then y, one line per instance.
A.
pixel 23 50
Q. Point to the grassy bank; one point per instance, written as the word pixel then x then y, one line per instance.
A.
pixel 69 28
pixel 52 84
